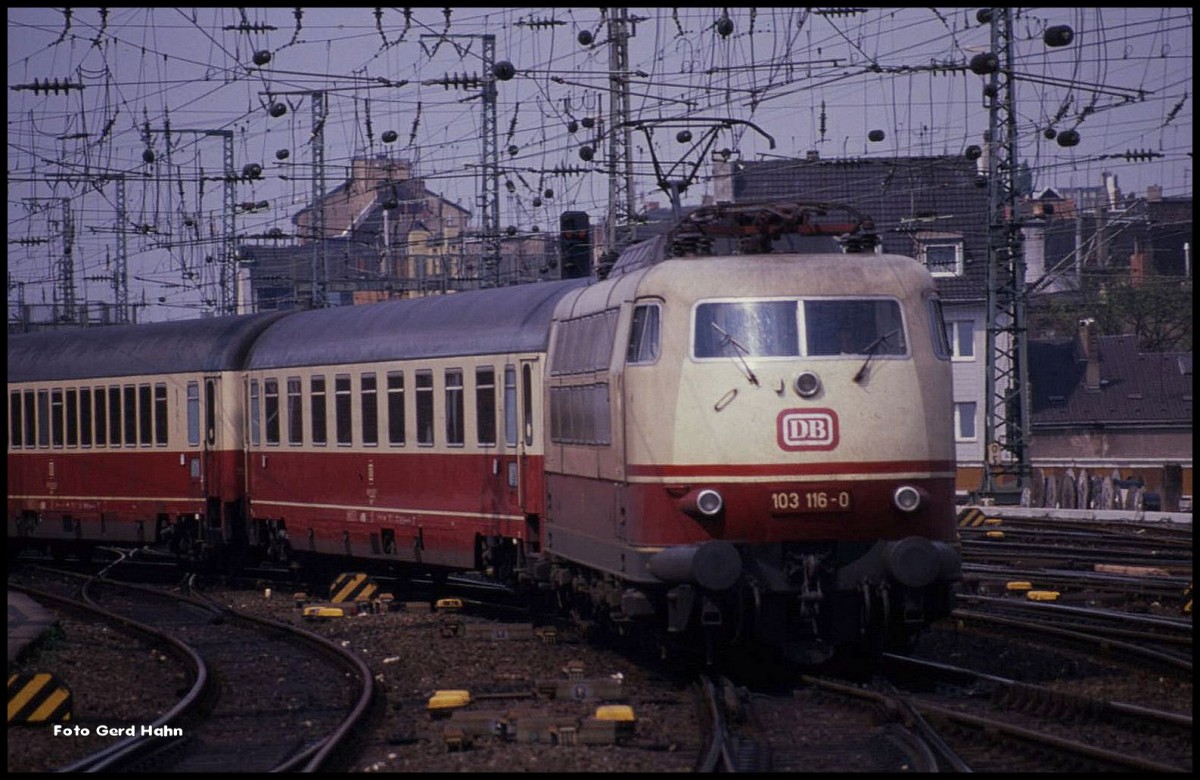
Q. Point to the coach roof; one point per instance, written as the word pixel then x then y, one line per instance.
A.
pixel 204 345
pixel 496 321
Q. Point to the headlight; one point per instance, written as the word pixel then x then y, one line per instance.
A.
pixel 908 498
pixel 702 504
pixel 807 384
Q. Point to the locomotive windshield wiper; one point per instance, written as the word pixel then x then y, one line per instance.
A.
pixel 727 339
pixel 871 350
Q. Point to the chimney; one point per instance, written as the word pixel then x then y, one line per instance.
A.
pixel 812 155
pixel 1154 194
pixel 1089 350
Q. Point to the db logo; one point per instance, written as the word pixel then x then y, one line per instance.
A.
pixel 807 429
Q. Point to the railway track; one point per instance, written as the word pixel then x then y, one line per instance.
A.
pixel 265 695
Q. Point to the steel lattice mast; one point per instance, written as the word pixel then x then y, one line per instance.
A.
pixel 1006 467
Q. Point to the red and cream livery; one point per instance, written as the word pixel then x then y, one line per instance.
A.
pixel 732 445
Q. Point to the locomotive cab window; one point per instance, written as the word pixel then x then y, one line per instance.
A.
pixel 643 334
pixel 789 328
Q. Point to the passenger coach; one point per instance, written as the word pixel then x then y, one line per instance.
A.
pixel 129 434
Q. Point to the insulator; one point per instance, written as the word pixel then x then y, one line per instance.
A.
pixel 508 185
pixel 973 152
pixel 251 170
pixel 504 70
pixel 278 110
pixel 589 122
pixel 586 153
pixel 1058 35
pixel 585 38
pixel 572 126
pixel 875 136
pixel 683 136
pixel 548 194
pixel 990 91
pixel 984 16
pixel 262 57
pixel 511 230
pixel 724 26
pixel 281 154
pixel 262 205
pixel 1050 133
pixel 513 149
pixel 537 202
pixel 148 156
pixel 389 136
pixel 984 63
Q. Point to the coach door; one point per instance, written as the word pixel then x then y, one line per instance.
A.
pixel 213 476
pixel 529 479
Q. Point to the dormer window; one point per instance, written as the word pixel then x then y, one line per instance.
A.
pixel 941 253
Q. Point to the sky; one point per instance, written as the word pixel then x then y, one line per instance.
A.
pixel 92 94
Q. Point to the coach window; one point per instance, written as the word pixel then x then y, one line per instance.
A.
pixel 72 418
pixel 129 413
pixel 643 334
pixel 43 418
pixel 56 416
pixel 295 409
pixel 370 410
pixel 193 413
pixel 271 402
pixel 255 414
pixel 485 405
pixel 101 417
pixel 527 401
pixel 341 408
pixel 320 430
pixel 424 407
pixel 85 416
pixel 145 416
pixel 160 413
pixel 454 406
pixel 30 419
pixel 15 434
pixel 114 415
pixel 395 405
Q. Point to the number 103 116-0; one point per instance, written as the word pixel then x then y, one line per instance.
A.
pixel 811 501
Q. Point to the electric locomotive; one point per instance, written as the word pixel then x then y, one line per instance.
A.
pixel 753 446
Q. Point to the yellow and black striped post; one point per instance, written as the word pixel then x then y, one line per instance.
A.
pixel 971 517
pixel 352 587
pixel 37 698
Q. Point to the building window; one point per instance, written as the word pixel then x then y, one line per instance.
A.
pixel 964 421
pixel 454 406
pixel 962 339
pixel 295 410
pixel 942 255
pixel 395 403
pixel 424 407
pixel 485 405
pixel 319 426
pixel 341 409
pixel 370 410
